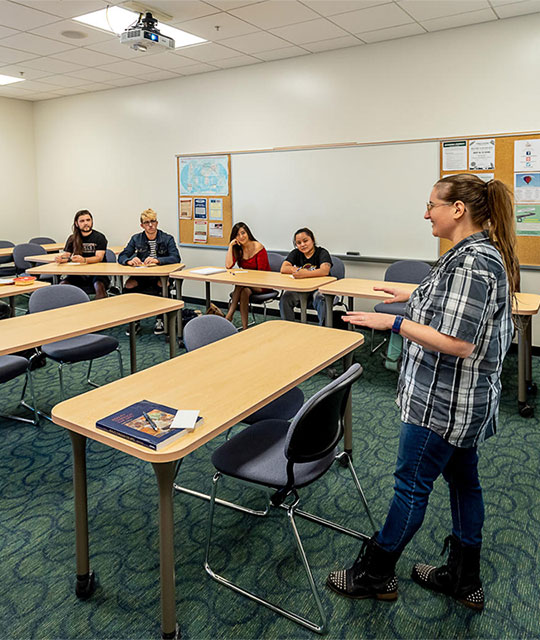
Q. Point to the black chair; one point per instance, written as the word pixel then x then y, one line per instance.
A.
pixel 411 271
pixel 10 368
pixel 282 458
pixel 42 240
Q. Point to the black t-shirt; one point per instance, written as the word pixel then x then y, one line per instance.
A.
pixel 96 241
pixel 298 259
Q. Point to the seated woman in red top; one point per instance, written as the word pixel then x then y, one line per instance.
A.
pixel 245 251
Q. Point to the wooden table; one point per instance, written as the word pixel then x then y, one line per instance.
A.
pixel 36 329
pixel 56 246
pixel 525 306
pixel 51 257
pixel 251 278
pixel 12 290
pixel 183 382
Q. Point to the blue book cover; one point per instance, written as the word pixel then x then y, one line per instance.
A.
pixel 131 423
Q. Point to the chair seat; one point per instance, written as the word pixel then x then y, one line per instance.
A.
pixel 87 347
pixel 11 367
pixel 286 406
pixel 257 455
pixel 396 308
pixel 259 298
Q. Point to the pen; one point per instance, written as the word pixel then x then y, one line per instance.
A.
pixel 150 421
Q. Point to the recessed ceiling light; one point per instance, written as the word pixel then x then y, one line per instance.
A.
pixel 116 20
pixel 9 79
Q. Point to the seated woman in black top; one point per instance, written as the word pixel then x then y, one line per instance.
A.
pixel 306 261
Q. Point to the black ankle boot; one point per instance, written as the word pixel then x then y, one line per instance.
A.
pixel 459 577
pixel 371 576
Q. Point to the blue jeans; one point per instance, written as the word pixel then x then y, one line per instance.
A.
pixel 423 456
pixel 291 299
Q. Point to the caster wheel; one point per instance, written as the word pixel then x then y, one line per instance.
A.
pixel 532 389
pixel 525 410
pixel 86 585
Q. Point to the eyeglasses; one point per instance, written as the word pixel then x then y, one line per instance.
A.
pixel 432 205
pixel 148 222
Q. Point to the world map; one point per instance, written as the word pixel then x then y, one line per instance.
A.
pixel 204 176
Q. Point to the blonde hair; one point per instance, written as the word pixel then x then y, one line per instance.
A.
pixel 490 206
pixel 148 214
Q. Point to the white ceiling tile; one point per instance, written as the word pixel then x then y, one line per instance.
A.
pixel 95 86
pixel 333 7
pixel 51 65
pixel 8 56
pixel 95 75
pixel 159 74
pixel 227 5
pixel 200 67
pixel 10 91
pixel 333 43
pixel 182 9
pixel 88 35
pixel 86 57
pixel 17 16
pixel 236 61
pixel 208 52
pixel 63 81
pixel 463 19
pixel 229 27
pixel 68 91
pixel 36 85
pixel 28 72
pixel 310 31
pixel 114 48
pixel 422 10
pixel 498 3
pixel 260 41
pixel 380 17
pixel 5 32
pixel 518 9
pixel 65 8
pixel 128 68
pixel 35 44
pixel 125 81
pixel 275 13
pixel 279 54
pixel 392 33
pixel 166 61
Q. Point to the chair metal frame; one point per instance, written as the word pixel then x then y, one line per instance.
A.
pixel 279 499
pixel 28 382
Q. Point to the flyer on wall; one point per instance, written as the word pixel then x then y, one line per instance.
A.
pixel 527 187
pixel 527 219
pixel 215 208
pixel 527 155
pixel 454 155
pixel 185 208
pixel 482 155
pixel 200 208
pixel 200 232
pixel 216 230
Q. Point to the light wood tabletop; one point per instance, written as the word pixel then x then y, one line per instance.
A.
pixel 104 269
pixel 56 246
pixel 36 329
pixel 262 353
pixel 8 290
pixel 51 257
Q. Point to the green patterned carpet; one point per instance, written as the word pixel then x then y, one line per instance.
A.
pixel 37 537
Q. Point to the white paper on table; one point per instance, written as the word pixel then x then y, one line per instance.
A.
pixel 185 419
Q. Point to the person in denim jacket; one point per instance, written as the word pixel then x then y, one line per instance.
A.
pixel 151 246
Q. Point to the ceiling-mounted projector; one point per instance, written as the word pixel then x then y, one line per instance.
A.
pixel 144 34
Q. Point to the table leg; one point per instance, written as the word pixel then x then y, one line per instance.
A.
pixel 173 317
pixel 165 472
pixel 56 279
pixel 132 347
pixel 303 307
pixel 165 294
pixel 180 325
pixel 86 582
pixel 329 300
pixel 524 365
pixel 12 306
pixel 207 291
pixel 347 419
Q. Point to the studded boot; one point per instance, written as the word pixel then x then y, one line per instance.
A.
pixel 371 576
pixel 458 578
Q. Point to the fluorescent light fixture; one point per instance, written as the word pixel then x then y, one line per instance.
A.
pixel 9 79
pixel 116 20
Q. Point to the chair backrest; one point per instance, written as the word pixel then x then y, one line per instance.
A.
pixel 413 271
pixel 57 295
pixel 4 244
pixel 338 268
pixel 318 426
pixel 275 260
pixel 110 256
pixel 42 240
pixel 206 329
pixel 26 249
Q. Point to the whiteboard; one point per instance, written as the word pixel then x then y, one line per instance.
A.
pixel 367 199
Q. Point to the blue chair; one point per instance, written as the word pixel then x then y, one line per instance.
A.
pixel 10 368
pixel 281 458
pixel 10 270
pixel 27 249
pixel 42 240
pixel 87 347
pixel 411 271
pixel 275 260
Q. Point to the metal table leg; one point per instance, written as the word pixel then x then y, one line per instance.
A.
pixel 328 301
pixel 207 290
pixel 165 477
pixel 86 582
pixel 132 347
pixel 524 365
pixel 165 294
pixel 173 317
pixel 303 306
pixel 347 421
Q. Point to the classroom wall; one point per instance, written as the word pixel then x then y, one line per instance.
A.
pixel 113 151
pixel 19 212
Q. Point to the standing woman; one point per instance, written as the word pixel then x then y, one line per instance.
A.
pixel 247 253
pixel 306 260
pixel 457 330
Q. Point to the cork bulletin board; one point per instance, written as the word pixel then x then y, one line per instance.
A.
pixel 528 247
pixel 204 196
